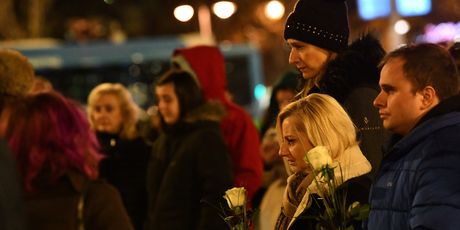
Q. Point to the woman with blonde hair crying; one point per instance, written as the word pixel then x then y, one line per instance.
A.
pixel 318 120
pixel 113 115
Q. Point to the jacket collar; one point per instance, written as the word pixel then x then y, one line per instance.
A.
pixel 211 111
pixel 446 113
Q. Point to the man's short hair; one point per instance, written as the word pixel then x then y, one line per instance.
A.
pixel 16 73
pixel 427 65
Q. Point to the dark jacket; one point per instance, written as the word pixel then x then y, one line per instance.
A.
pixel 189 172
pixel 125 167
pixel 55 207
pixel 12 216
pixel 418 184
pixel 239 131
pixel 352 79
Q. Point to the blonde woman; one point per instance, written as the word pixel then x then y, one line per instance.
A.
pixel 114 116
pixel 318 120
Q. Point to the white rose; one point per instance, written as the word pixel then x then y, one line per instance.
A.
pixel 236 197
pixel 318 157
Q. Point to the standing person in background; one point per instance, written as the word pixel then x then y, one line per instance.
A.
pixel 57 159
pixel 190 168
pixel 207 64
pixel 318 120
pixel 270 194
pixel 16 79
pixel 317 33
pixel 283 92
pixel 417 185
pixel 114 116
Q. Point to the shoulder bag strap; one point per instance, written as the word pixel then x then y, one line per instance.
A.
pixel 81 206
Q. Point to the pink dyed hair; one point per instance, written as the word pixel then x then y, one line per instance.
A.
pixel 50 136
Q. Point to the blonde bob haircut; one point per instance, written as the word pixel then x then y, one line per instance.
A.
pixel 320 119
pixel 129 109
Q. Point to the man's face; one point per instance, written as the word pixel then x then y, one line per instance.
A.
pixel 307 58
pixel 399 107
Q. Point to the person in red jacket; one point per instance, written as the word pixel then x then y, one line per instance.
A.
pixel 206 63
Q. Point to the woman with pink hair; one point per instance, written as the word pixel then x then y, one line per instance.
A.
pixel 57 159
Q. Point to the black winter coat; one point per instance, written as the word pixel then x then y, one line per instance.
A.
pixel 352 79
pixel 189 172
pixel 125 167
pixel 11 194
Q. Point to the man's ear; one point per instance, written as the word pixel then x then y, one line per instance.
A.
pixel 429 97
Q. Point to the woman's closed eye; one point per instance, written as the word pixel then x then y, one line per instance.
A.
pixel 290 141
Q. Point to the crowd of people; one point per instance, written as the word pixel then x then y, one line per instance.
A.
pixel 389 122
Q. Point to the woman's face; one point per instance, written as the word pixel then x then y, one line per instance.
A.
pixel 307 58
pixel 292 148
pixel 168 103
pixel 284 97
pixel 106 114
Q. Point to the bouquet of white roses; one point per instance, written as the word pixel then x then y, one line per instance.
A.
pixel 336 214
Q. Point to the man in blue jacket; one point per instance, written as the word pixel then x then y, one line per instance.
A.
pixel 418 185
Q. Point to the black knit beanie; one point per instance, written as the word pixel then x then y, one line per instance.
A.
pixel 323 23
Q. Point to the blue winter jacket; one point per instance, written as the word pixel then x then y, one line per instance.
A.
pixel 418 185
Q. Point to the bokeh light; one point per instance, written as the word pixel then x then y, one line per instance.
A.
pixel 224 9
pixel 401 27
pixel 183 13
pixel 274 10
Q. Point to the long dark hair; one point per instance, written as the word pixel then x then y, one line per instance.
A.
pixel 186 88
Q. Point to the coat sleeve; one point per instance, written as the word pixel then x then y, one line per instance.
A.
pixel 436 203
pixel 214 167
pixel 243 142
pixel 104 209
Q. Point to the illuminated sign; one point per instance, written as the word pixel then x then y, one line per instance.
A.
pixel 372 9
pixel 444 32
pixel 413 7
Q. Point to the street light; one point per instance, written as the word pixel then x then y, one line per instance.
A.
pixel 183 13
pixel 274 10
pixel 222 9
pixel 402 27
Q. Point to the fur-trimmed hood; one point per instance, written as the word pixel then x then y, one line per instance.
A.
pixel 354 67
pixel 209 111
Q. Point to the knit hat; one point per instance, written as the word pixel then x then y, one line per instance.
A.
pixel 16 73
pixel 323 23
